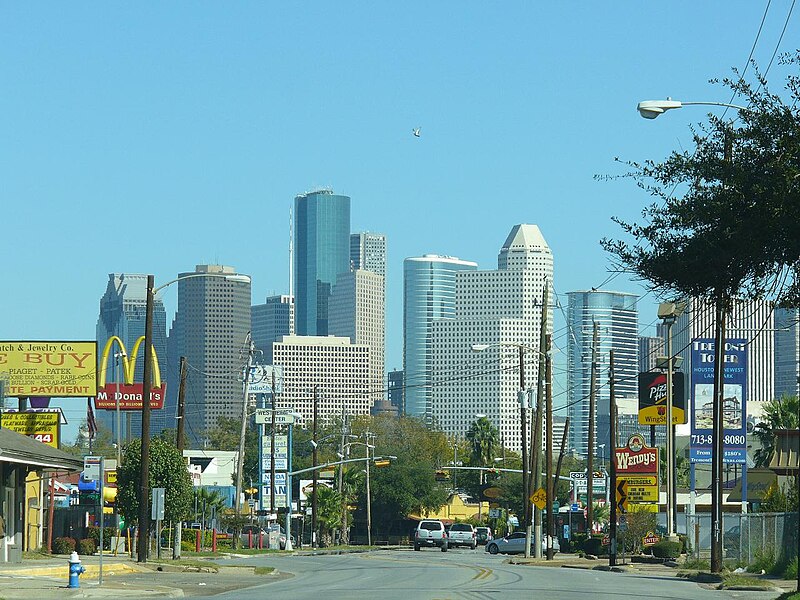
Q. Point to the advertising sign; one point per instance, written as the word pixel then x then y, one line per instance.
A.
pixel 653 399
pixel 41 426
pixel 734 402
pixel 262 378
pixel 637 466
pixel 581 486
pixel 264 417
pixel 62 369
pixel 129 396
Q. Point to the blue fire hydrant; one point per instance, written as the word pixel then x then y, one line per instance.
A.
pixel 75 570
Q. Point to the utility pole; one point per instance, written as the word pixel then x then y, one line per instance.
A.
pixel 240 462
pixel 536 425
pixel 717 432
pixel 180 442
pixel 144 483
pixel 315 472
pixel 612 409
pixel 590 441
pixel 369 500
pixel 549 450
pixel 523 416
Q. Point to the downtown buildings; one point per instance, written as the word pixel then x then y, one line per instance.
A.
pixel 500 308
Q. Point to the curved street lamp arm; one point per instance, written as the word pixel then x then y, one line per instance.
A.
pixel 650 109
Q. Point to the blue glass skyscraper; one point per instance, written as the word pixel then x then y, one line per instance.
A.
pixel 322 252
pixel 429 293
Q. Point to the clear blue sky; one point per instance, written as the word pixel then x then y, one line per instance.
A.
pixel 150 137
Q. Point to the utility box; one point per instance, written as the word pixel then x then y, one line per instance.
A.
pixel 274 540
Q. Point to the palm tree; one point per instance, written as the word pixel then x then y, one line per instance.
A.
pixel 484 440
pixel 351 483
pixel 779 413
pixel 329 504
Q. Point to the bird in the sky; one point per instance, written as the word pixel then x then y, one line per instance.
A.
pixel 416 131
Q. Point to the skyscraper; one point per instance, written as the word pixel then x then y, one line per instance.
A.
pixel 357 311
pixel 368 252
pixel 501 308
pixel 429 293
pixel 210 329
pixel 618 329
pixel 270 322
pixel 122 313
pixel 322 253
pixel 787 352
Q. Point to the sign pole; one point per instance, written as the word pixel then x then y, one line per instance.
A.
pixel 102 516
pixel 612 405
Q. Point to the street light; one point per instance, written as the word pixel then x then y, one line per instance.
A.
pixel 144 486
pixel 650 109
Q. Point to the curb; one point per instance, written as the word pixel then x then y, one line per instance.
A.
pixel 92 570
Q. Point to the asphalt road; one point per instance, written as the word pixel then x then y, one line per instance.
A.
pixel 457 574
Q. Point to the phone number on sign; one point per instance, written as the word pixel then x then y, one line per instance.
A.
pixel 728 440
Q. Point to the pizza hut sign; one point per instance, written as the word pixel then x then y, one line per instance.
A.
pixel 636 457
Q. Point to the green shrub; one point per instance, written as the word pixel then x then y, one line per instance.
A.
pixel 64 545
pixel 667 549
pixel 108 533
pixel 763 560
pixel 593 545
pixel 187 546
pixel 791 569
pixel 87 547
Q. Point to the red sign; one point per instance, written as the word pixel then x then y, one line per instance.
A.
pixel 636 457
pixel 650 539
pixel 129 396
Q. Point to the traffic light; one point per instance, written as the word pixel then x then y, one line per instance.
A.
pixel 382 462
pixel 442 475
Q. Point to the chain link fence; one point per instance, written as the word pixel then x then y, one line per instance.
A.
pixel 745 536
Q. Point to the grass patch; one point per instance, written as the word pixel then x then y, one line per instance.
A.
pixel 732 579
pixel 193 564
pixel 35 555
pixel 789 596
pixel 696 564
pixel 263 570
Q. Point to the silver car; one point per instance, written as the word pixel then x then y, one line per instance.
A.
pixel 514 543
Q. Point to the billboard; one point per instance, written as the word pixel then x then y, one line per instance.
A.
pixel 61 369
pixel 734 402
pixel 262 378
pixel 41 426
pixel 653 399
pixel 637 464
pixel 128 393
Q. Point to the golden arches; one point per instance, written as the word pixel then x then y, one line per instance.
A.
pixel 128 362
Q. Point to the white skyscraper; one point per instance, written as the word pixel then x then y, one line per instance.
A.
pixel 501 308
pixel 356 311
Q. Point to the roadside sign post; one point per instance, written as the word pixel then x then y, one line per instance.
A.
pixel 157 514
pixel 102 518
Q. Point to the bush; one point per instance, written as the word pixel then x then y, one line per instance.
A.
pixel 593 545
pixel 108 533
pixel 64 545
pixel 87 547
pixel 763 559
pixel 667 549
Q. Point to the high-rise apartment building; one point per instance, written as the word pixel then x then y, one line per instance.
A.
pixel 210 329
pixel 356 311
pixel 617 320
pixel 429 293
pixel 122 314
pixel 368 252
pixel 270 322
pixel 501 308
pixel 752 321
pixel 787 352
pixel 329 369
pixel 322 253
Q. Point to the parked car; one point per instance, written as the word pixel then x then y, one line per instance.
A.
pixel 483 535
pixel 430 533
pixel 462 534
pixel 514 543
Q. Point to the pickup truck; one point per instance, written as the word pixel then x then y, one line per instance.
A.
pixel 430 533
pixel 462 534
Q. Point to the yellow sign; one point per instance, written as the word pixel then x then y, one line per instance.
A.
pixel 63 369
pixel 539 498
pixel 622 495
pixel 641 488
pixel 128 361
pixel 111 476
pixel 41 426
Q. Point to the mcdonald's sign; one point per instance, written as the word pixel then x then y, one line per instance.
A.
pixel 128 394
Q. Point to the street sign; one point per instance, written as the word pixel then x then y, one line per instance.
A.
pixel 575 507
pixel 494 513
pixel 91 468
pixel 264 416
pixel 157 510
pixel 622 496
pixel 623 524
pixel 539 498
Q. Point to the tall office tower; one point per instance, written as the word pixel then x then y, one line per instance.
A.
pixel 649 349
pixel 210 329
pixel 368 252
pixel 270 322
pixel 752 321
pixel 618 329
pixel 394 385
pixel 122 313
pixel 329 368
pixel 429 293
pixel 322 253
pixel 357 311
pixel 787 352
pixel 502 308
